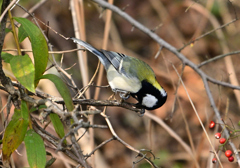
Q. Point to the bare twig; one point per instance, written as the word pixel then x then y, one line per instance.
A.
pixel 50 52
pixel 77 11
pixel 52 106
pixel 60 69
pixel 78 151
pixel 204 35
pixel 173 134
pixel 172 49
pixel 217 58
pixel 123 142
pixel 5 81
pixel 6 8
pixel 99 146
pixel 200 121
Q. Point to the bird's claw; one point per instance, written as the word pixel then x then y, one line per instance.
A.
pixel 124 95
pixel 141 113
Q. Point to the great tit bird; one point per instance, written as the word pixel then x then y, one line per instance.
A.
pixel 127 74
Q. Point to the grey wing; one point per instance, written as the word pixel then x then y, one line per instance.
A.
pixel 115 58
pixel 122 63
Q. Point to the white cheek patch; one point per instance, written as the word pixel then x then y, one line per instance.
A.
pixel 149 100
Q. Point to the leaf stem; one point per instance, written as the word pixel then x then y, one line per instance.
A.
pixel 14 32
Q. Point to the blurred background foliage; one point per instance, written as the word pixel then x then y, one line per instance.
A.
pixel 178 23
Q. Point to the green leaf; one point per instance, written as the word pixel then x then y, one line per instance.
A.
pixel 36 153
pixel 22 34
pixel 15 131
pixel 7 30
pixel 62 88
pixel 38 108
pixel 17 114
pixel 39 46
pixel 23 70
pixel 57 124
pixel 24 111
pixel 50 162
pixel 6 57
pixel 1 5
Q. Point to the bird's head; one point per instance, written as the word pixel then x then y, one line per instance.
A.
pixel 151 96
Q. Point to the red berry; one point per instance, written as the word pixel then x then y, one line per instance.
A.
pixel 231 159
pixel 218 135
pixel 212 124
pixel 228 153
pixel 214 160
pixel 222 140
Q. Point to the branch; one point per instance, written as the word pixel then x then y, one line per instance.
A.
pixel 116 137
pixel 172 49
pixel 99 146
pixel 93 102
pixel 203 35
pixel 225 84
pixel 5 81
pixel 78 151
pixel 53 140
pixel 216 58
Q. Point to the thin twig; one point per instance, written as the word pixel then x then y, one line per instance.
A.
pixel 99 146
pixel 78 152
pixel 204 35
pixel 217 58
pixel 123 142
pixel 74 86
pixel 172 49
pixel 35 7
pixel 199 119
pixel 173 134
pixel 50 52
pixel 6 9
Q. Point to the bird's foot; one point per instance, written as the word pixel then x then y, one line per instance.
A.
pixel 140 107
pixel 142 112
pixel 123 94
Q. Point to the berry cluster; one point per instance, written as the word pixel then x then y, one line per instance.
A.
pixel 228 153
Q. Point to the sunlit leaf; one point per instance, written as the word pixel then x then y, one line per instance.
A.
pixel 15 131
pixel 23 69
pixel 39 46
pixel 6 57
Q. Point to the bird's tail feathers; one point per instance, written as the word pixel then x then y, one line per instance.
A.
pixel 93 50
pixel 87 46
